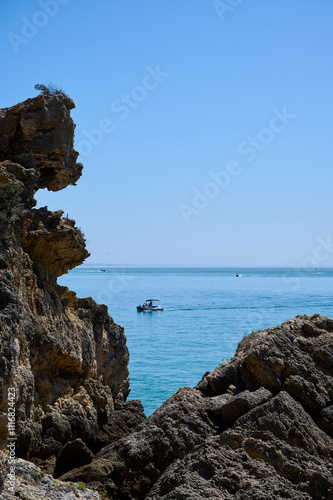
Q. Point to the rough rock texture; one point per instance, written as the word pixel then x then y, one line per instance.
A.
pixel 32 483
pixel 257 427
pixel 63 245
pixel 65 356
pixel 39 134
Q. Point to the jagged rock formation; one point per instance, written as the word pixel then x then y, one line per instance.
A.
pixel 39 134
pixel 257 427
pixel 65 355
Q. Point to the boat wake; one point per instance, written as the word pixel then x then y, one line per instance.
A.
pixel 216 308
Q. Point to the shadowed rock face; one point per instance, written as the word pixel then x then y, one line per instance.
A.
pixel 66 357
pixel 259 426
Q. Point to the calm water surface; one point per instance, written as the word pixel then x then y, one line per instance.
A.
pixel 206 313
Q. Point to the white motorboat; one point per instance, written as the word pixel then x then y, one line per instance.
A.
pixel 148 306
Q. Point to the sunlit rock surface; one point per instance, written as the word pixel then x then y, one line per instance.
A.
pixel 65 356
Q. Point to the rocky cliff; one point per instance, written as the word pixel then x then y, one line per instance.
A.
pixel 65 355
pixel 258 427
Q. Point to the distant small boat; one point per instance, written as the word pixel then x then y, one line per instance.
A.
pixel 237 275
pixel 103 270
pixel 149 306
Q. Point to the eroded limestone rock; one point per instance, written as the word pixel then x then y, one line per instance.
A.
pixel 65 356
pixel 39 133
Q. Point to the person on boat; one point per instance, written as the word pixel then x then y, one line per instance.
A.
pixel 150 304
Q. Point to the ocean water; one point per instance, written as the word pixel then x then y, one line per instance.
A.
pixel 207 311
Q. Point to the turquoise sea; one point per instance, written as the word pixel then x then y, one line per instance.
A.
pixel 207 311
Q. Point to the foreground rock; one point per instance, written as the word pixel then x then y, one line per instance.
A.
pixel 64 356
pixel 257 427
pixel 34 484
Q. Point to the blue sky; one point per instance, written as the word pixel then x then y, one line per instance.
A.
pixel 172 95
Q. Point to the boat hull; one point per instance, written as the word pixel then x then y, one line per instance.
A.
pixel 149 309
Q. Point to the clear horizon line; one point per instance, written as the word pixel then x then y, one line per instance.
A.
pixel 201 265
